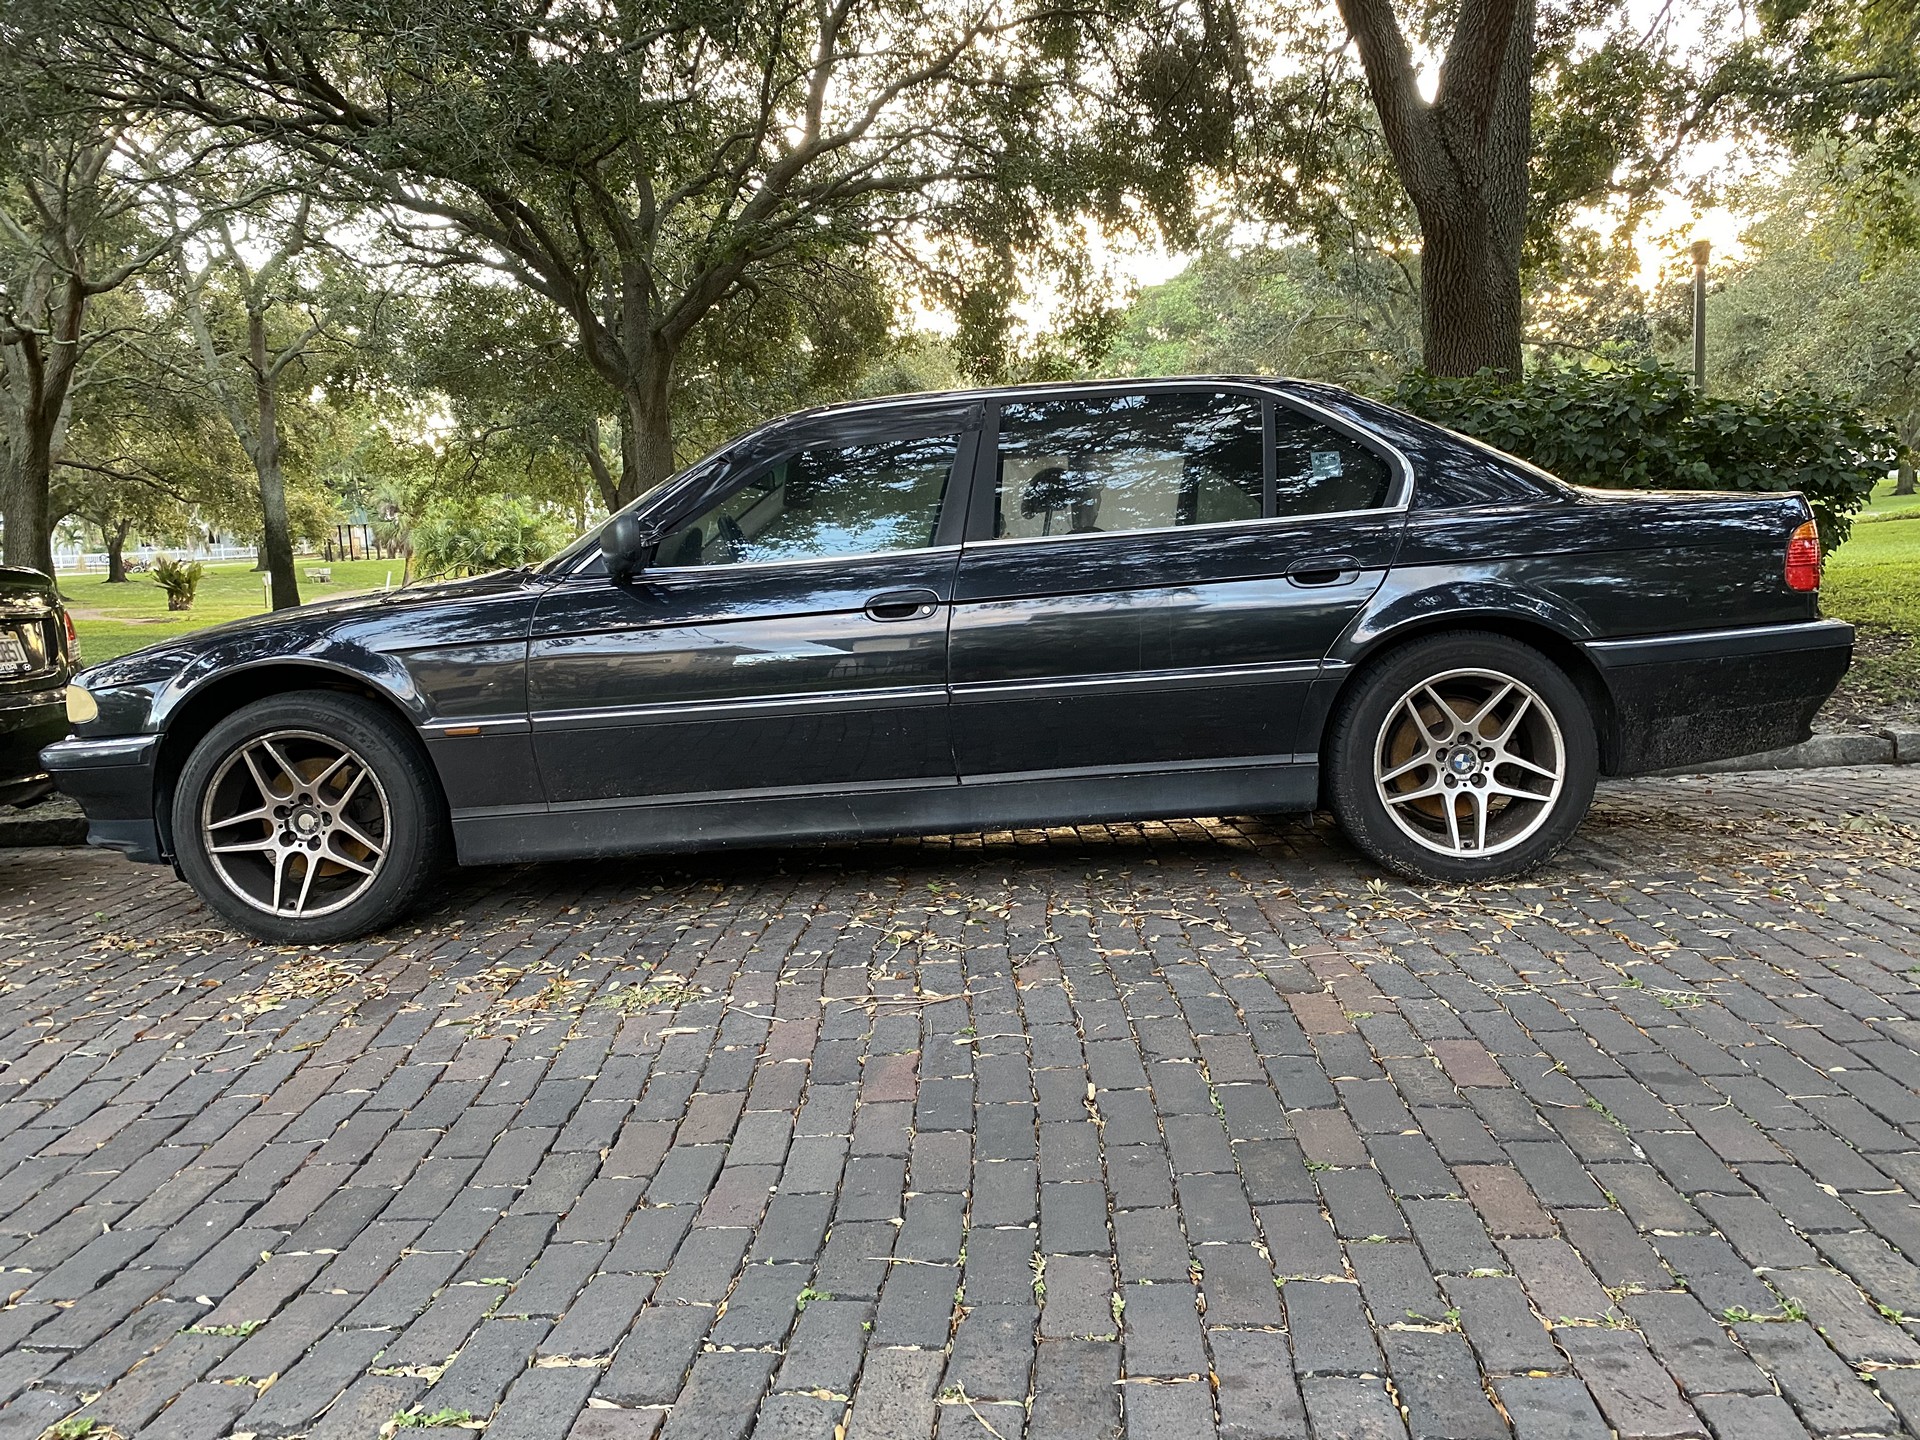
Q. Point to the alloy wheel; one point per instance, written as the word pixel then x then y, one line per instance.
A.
pixel 295 823
pixel 1469 762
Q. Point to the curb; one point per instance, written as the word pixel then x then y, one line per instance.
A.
pixel 57 821
pixel 1895 745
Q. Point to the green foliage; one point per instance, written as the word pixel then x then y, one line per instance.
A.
pixel 1641 427
pixel 180 579
pixel 1269 310
pixel 484 532
pixel 1816 302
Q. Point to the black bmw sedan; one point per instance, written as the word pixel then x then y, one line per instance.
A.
pixel 982 610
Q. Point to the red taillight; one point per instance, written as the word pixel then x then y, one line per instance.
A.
pixel 1803 558
pixel 73 639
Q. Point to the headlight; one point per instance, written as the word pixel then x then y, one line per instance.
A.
pixel 81 707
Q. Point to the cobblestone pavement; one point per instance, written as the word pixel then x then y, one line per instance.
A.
pixel 1150 1130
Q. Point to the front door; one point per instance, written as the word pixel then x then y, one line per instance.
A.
pixel 1153 575
pixel 790 637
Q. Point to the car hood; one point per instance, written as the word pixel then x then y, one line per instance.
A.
pixel 300 625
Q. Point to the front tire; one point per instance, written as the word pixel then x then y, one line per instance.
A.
pixel 309 817
pixel 1463 757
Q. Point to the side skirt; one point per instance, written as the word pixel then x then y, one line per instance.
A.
pixel 576 833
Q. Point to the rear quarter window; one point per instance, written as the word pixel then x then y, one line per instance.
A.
pixel 1455 478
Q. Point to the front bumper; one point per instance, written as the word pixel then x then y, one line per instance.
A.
pixel 1686 699
pixel 112 780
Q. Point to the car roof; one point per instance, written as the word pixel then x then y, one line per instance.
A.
pixel 1046 387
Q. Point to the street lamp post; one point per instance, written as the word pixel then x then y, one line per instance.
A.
pixel 1700 251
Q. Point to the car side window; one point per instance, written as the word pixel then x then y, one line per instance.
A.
pixel 863 499
pixel 1127 462
pixel 1318 470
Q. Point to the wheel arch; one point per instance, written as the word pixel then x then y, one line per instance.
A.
pixel 195 714
pixel 1555 643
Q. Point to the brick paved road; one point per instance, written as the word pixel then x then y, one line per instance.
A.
pixel 1152 1130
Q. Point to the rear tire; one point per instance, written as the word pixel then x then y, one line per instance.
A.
pixel 309 817
pixel 1462 757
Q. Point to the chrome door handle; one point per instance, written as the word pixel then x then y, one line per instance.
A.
pixel 1323 569
pixel 902 605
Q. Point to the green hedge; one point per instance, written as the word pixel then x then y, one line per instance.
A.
pixel 1642 427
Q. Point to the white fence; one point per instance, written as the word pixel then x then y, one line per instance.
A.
pixel 70 562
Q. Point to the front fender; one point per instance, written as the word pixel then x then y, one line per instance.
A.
pixel 327 658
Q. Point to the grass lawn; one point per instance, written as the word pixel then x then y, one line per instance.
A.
pixel 113 619
pixel 1885 504
pixel 1874 581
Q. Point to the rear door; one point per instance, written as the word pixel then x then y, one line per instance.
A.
pixel 790 637
pixel 1153 575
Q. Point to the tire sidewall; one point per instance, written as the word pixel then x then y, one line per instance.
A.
pixel 1356 729
pixel 414 847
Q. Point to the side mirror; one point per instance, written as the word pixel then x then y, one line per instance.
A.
pixel 628 547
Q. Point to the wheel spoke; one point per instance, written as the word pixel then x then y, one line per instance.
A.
pixel 306 883
pixel 267 793
pixel 297 780
pixel 1407 797
pixel 1521 763
pixel 327 774
pixel 1453 819
pixel 279 874
pixel 347 794
pixel 1519 713
pixel 1478 799
pixel 340 857
pixel 354 832
pixel 262 813
pixel 1414 764
pixel 1487 709
pixel 1447 712
pixel 1496 788
pixel 244 847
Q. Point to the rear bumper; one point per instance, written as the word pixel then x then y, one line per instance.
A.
pixel 112 780
pixel 27 722
pixel 1709 695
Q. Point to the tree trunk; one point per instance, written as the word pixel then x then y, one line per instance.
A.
pixel 1463 160
pixel 646 432
pixel 1903 484
pixel 1470 306
pixel 24 492
pixel 276 541
pixel 116 538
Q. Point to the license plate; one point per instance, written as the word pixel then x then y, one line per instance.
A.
pixel 13 655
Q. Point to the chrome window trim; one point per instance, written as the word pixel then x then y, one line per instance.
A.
pixel 1247 526
pixel 796 562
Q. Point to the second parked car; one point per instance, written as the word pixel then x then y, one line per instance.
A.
pixel 981 610
pixel 38 653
